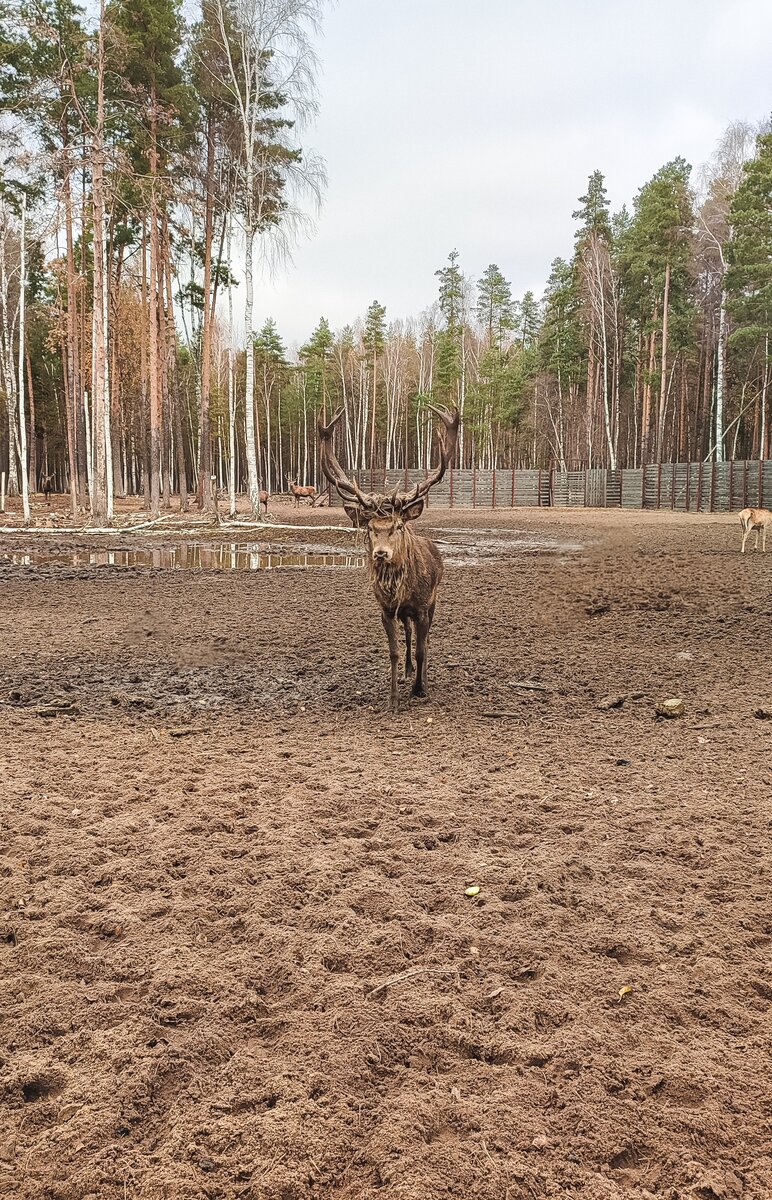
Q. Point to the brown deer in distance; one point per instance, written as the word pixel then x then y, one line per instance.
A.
pixel 301 492
pixel 405 568
pixel 263 498
pixel 755 519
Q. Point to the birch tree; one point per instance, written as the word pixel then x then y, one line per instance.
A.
pixel 269 70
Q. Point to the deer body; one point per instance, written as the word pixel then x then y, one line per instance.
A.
pixel 301 492
pixel 405 568
pixel 755 519
pixel 405 587
pixel 264 498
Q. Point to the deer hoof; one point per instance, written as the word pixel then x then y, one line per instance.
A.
pixel 419 691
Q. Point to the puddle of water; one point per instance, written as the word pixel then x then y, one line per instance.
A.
pixel 186 556
pixel 502 547
pixel 230 556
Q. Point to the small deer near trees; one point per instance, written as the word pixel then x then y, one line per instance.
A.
pixel 755 519
pixel 405 567
pixel 301 492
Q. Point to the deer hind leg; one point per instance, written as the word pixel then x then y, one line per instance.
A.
pixel 745 538
pixel 407 625
pixel 390 625
pixel 764 538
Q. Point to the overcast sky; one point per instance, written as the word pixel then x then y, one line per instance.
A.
pixel 447 124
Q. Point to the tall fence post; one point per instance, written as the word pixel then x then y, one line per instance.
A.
pixel 688 487
pixel 761 483
pixel 731 483
pixel 493 501
pixel 513 485
pixel 713 487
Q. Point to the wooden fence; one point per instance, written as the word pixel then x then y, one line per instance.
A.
pixel 684 487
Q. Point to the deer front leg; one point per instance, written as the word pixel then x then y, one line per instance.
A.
pixel 745 538
pixel 390 625
pixel 423 625
pixel 407 625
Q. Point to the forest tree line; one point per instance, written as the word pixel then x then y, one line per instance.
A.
pixel 151 163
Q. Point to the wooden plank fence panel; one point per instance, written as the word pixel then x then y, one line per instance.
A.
pixel 484 489
pixel 503 489
pixel 560 489
pixel 685 487
pixel 526 489
pixel 765 499
pixel 576 489
pixel 632 488
pixel 595 488
pixel 679 487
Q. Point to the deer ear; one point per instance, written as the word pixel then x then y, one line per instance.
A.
pixel 411 511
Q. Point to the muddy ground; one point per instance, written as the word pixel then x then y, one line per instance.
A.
pixel 236 955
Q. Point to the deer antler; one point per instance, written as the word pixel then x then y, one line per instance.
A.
pixel 447 436
pixel 332 469
pixel 397 501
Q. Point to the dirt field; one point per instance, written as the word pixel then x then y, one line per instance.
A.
pixel 236 955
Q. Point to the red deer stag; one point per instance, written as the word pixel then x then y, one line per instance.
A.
pixel 302 493
pixel 755 519
pixel 405 568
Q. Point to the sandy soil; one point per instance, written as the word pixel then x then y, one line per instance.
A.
pixel 236 955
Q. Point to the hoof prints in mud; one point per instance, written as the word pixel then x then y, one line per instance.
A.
pixel 247 958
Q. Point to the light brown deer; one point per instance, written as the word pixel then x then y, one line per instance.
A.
pixel 405 568
pixel 301 492
pixel 755 519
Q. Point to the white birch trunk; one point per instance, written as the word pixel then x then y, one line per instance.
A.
pixel 720 375
pixel 231 380
pixel 21 393
pixel 253 482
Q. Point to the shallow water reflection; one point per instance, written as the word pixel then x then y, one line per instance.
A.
pixel 186 556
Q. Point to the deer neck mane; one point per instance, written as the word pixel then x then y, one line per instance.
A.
pixel 389 578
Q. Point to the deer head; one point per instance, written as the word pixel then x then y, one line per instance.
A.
pixel 385 515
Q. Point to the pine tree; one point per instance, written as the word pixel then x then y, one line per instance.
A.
pixel 271 368
pixel 448 370
pixel 151 33
pixel 749 279
pixel 655 258
pixel 597 284
pixel 593 216
pixel 496 310
pixel 373 339
pixel 562 355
